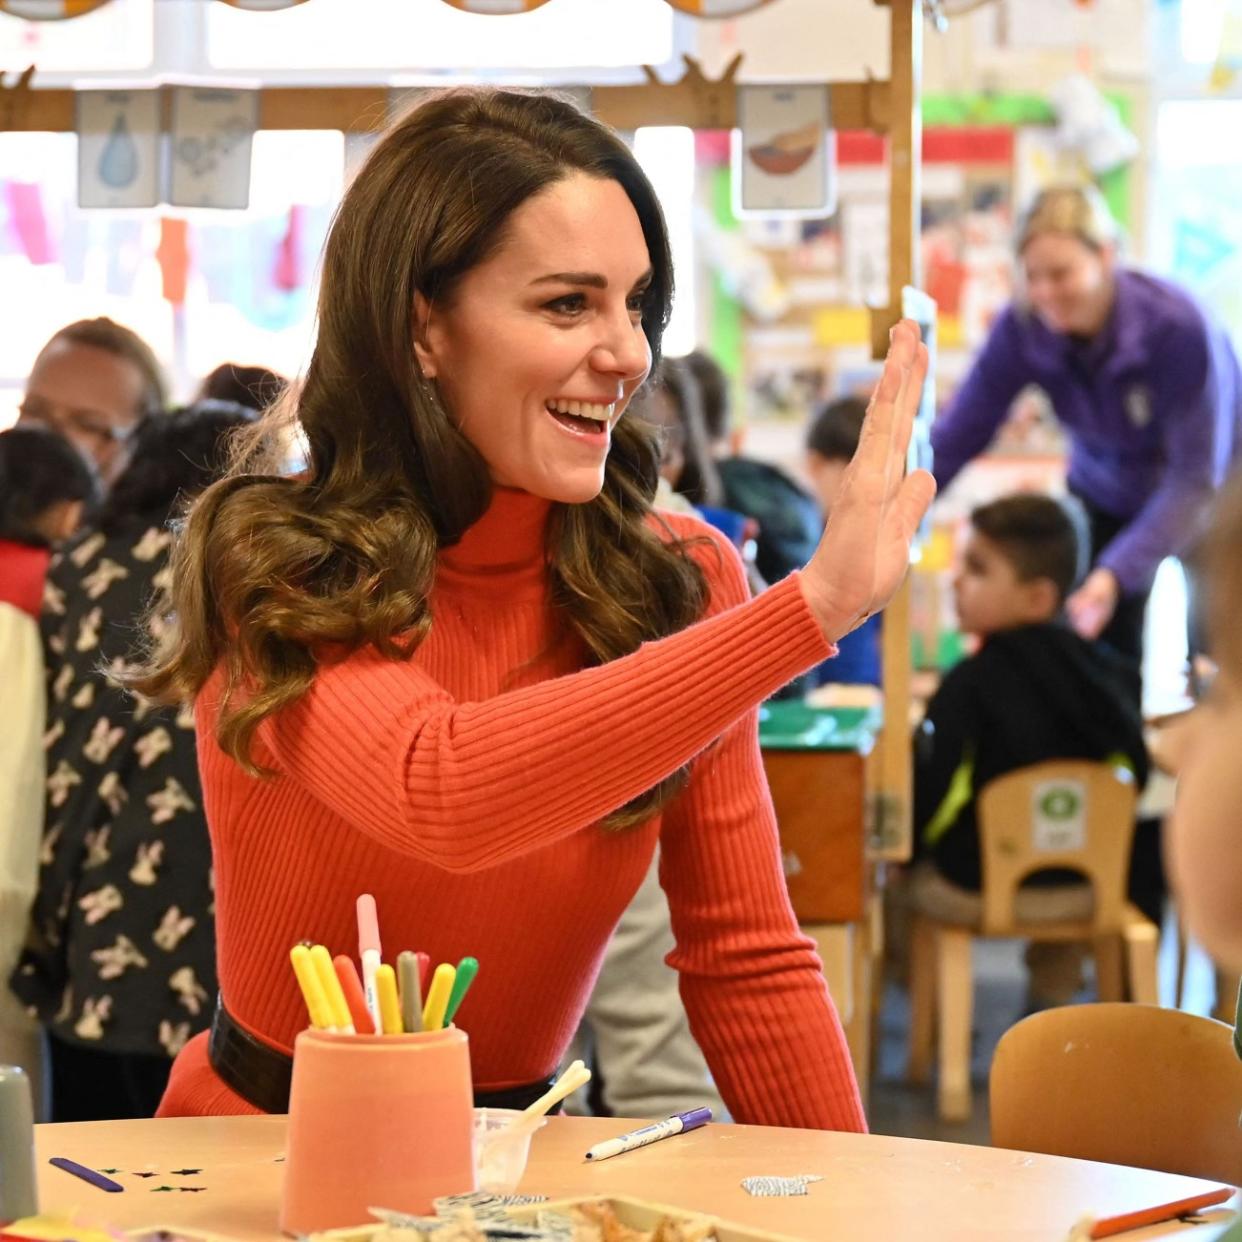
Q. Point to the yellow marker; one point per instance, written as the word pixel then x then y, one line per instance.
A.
pixel 321 959
pixel 312 989
pixel 390 1006
pixel 438 996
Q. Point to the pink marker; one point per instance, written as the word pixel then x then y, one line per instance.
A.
pixel 369 952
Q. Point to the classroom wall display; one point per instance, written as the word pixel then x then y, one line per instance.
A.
pixel 717 8
pixel 496 6
pixel 49 10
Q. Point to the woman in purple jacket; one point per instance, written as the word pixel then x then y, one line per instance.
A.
pixel 1148 390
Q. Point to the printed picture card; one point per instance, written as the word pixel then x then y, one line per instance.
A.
pixel 118 148
pixel 212 135
pixel 784 151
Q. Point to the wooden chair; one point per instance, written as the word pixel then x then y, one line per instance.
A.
pixel 1068 814
pixel 1126 1084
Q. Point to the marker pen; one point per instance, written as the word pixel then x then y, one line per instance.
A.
pixel 370 955
pixel 679 1123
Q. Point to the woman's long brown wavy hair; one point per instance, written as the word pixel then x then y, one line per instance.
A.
pixel 272 570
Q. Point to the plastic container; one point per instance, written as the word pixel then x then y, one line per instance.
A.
pixel 18 1193
pixel 376 1121
pixel 500 1162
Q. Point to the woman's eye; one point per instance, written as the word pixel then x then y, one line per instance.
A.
pixel 635 303
pixel 570 304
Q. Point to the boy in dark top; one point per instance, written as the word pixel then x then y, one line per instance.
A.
pixel 1034 690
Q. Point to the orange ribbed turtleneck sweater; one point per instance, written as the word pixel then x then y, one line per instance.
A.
pixel 464 788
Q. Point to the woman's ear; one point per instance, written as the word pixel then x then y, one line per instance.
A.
pixel 424 336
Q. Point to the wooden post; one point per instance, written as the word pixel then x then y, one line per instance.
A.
pixel 905 134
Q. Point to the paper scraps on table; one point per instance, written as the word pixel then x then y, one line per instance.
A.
pixel 184 1172
pixel 779 1187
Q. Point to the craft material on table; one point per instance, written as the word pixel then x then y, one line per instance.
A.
pixel 779 1187
pixel 87 1175
pixel 678 1123
pixel 576 1075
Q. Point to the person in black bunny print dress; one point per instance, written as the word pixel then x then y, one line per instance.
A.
pixel 119 963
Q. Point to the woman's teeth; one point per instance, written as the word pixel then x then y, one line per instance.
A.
pixel 582 409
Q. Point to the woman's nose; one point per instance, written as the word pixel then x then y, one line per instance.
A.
pixel 623 349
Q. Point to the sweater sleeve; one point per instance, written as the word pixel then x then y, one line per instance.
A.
pixel 966 427
pixel 752 984
pixel 1193 408
pixel 467 786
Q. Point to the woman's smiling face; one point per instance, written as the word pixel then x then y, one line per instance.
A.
pixel 541 346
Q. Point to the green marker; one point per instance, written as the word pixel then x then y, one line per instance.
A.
pixel 467 968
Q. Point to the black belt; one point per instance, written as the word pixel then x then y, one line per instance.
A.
pixel 262 1075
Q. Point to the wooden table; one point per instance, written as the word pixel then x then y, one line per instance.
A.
pixel 875 1189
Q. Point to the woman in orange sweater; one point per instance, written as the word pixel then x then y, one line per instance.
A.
pixel 458 663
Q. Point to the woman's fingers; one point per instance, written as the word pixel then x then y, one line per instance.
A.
pixel 890 405
pixel 907 404
pixel 918 490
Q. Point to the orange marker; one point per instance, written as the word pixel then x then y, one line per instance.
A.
pixel 351 985
pixel 1154 1215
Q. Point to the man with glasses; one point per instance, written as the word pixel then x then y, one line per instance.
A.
pixel 94 382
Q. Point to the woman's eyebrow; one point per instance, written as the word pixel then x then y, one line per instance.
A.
pixel 593 280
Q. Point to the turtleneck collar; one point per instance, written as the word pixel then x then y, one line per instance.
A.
pixel 504 551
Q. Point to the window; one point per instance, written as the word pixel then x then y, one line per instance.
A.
pixel 417 35
pixel 116 36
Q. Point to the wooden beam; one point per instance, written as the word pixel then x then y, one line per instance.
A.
pixel 693 100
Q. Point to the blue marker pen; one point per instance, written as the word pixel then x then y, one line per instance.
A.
pixel 679 1123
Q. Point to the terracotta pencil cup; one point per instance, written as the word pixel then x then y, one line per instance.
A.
pixel 376 1121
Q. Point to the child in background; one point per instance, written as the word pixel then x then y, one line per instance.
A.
pixel 1034 691
pixel 44 485
pixel 831 444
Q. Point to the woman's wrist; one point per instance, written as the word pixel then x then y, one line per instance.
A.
pixel 832 622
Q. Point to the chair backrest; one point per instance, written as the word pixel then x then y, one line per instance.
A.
pixel 1067 813
pixel 1123 1083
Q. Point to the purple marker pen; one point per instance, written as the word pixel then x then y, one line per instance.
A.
pixel 87 1175
pixel 678 1123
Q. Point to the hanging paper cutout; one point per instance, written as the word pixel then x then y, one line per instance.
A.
pixel 49 10
pixel 287 273
pixel 29 220
pixel 717 8
pixel 173 254
pixel 499 7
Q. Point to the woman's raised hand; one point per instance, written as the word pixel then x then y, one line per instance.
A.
pixel 865 549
